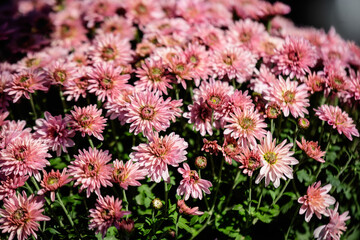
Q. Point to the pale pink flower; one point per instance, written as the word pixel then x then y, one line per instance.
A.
pixel 191 184
pixel 9 184
pixel 210 36
pixel 249 8
pixel 335 228
pixel 77 86
pixel 105 79
pixel 26 82
pixel 233 62
pixel 184 209
pixel 107 213
pixel 250 160
pixel 246 125
pixel 231 149
pixel 317 200
pixel 266 46
pixel 355 84
pixel 180 67
pixel 55 132
pixel 128 174
pixel 119 26
pixel 312 149
pixel 200 115
pixel 239 100
pixel 21 216
pixel 291 97
pixel 60 72
pixel 11 130
pixel 153 76
pixel 24 156
pixel 88 120
pixel 316 81
pixel 52 181
pixel 97 11
pixel 148 111
pixel 338 119
pixel 160 152
pixel 143 11
pixel 295 57
pixel 90 169
pixel 275 161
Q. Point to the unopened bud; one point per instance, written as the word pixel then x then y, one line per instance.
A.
pixel 272 110
pixel 304 123
pixel 157 204
pixel 200 162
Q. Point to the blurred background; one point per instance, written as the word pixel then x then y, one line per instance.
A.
pixel 344 15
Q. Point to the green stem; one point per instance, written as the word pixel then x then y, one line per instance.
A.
pixel 343 169
pixel 281 193
pixel 272 126
pixel 249 202
pixel 63 100
pixel 125 200
pixel 235 183
pixel 177 226
pixel 268 26
pixel 166 198
pixel 259 201
pixel 33 106
pixel 90 141
pixel 291 223
pixel 64 208
pixel 295 136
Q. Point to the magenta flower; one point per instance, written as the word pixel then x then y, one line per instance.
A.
pixel 55 132
pixel 90 169
pixel 338 120
pixel 316 201
pixel 191 184
pixel 128 174
pixel 21 216
pixel 160 152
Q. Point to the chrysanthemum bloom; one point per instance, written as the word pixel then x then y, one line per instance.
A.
pixel 147 111
pixel 233 62
pixel 200 115
pixel 184 209
pixel 211 147
pixel 338 119
pixel 105 79
pixel 337 79
pixel 181 68
pixel 153 76
pixel 275 161
pixel 9 184
pixel 246 125
pixel 25 83
pixel 240 100
pixel 21 216
pixel 55 132
pixel 77 86
pixel 335 228
pixel 312 149
pixel 97 11
pixel 159 153
pixel 143 11
pixel 316 82
pixel 250 161
pixel 303 123
pixel 290 97
pixel 295 57
pixel 111 48
pixel 265 47
pixel 231 149
pixel 90 169
pixel 264 81
pixel 11 130
pixel 118 25
pixel 60 72
pixel 128 174
pixel 272 110
pixel 88 120
pixel 125 225
pixel 191 184
pixel 24 156
pixel 316 201
pixel 210 36
pixel 106 213
pixel 354 84
pixel 53 181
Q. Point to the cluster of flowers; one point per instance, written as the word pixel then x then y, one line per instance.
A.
pixel 130 55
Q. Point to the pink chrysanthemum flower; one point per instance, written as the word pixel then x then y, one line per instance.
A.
pixel 246 125
pixel 107 213
pixel 119 26
pixel 210 36
pixel 250 160
pixel 105 79
pixel 153 76
pixel 24 156
pixel 335 228
pixel 148 111
pixel 111 48
pixel 53 181
pixel 291 97
pixel 239 100
pixel 233 62
pixel 88 120
pixel 316 81
pixel 181 68
pixel 231 149
pixel 340 120
pixel 275 161
pixel 9 184
pixel 160 152
pixel 128 174
pixel 11 130
pixel 266 46
pixel 90 169
pixel 25 83
pixel 312 149
pixel 295 57
pixel 54 131
pixel 355 84
pixel 184 209
pixel 200 115
pixel 191 184
pixel 211 147
pixel 60 72
pixel 77 86
pixel 143 11
pixel 21 216
pixel 316 201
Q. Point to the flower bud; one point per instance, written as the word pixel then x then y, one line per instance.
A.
pixel 157 204
pixel 200 162
pixel 126 225
pixel 304 123
pixel 272 111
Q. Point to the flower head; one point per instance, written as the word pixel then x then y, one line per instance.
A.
pixel 183 208
pixel 312 149
pixel 128 174
pixel 250 160
pixel 21 216
pixel 9 184
pixel 53 181
pixel 316 201
pixel 200 115
pixel 231 149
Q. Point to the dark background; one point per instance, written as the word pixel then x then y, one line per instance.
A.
pixel 344 15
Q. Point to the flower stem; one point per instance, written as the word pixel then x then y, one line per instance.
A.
pixel 64 208
pixel 33 106
pixel 125 200
pixel 249 202
pixel 235 183
pixel 291 223
pixel 177 226
pixel 281 193
pixel 90 141
pixel 166 197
